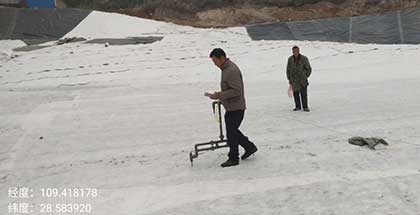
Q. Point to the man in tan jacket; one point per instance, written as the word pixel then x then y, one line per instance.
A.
pixel 232 98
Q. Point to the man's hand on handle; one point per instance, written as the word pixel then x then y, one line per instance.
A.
pixel 213 96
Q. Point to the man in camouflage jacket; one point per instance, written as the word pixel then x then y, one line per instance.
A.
pixel 298 71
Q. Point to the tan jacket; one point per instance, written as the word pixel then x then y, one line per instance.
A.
pixel 232 95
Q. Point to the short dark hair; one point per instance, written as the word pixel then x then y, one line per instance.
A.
pixel 295 47
pixel 218 52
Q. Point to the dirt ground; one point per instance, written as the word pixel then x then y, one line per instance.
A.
pixel 249 14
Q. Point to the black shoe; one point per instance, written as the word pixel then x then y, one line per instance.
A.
pixel 230 162
pixel 306 109
pixel 296 109
pixel 249 153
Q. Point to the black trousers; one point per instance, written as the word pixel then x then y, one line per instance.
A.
pixel 233 120
pixel 302 94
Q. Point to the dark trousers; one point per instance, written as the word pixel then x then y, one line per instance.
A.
pixel 302 94
pixel 233 120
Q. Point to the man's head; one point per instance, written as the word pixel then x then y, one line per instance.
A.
pixel 218 56
pixel 295 51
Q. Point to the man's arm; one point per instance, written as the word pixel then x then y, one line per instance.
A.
pixel 288 70
pixel 307 67
pixel 234 83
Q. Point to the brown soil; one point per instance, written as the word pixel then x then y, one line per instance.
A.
pixel 249 14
